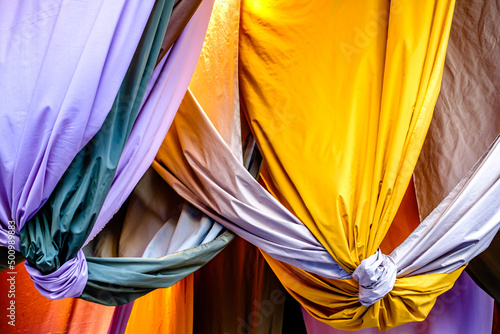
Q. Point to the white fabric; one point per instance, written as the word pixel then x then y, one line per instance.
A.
pixel 190 229
pixel 461 227
pixel 376 276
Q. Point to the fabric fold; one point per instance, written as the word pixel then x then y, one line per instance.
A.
pixel 57 232
pixel 50 108
pixel 198 165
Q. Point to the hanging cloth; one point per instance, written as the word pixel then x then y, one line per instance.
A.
pixel 56 88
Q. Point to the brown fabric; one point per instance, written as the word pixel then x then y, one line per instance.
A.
pixel 237 292
pixel 181 14
pixel 496 319
pixel 467 117
pixel 150 205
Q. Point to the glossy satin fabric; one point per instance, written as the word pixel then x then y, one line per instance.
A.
pixel 52 239
pixel 466 120
pixel 37 314
pixel 164 310
pixel 164 94
pixel 463 309
pixel 199 166
pixel 339 97
pixel 215 80
pixel 181 15
pixel 56 89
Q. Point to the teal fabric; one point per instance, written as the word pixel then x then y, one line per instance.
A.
pixel 117 281
pixel 60 228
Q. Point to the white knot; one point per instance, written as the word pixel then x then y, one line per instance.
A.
pixel 376 276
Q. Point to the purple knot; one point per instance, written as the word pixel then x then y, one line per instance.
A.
pixel 66 282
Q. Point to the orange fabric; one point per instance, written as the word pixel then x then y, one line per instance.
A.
pixel 406 220
pixel 164 310
pixel 37 314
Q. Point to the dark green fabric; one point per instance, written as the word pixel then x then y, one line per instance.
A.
pixel 59 229
pixel 117 281
pixel 4 258
pixel 485 269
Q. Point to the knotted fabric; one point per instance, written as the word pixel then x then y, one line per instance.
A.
pixel 376 276
pixel 67 281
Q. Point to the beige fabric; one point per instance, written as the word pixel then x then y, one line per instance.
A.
pixel 467 115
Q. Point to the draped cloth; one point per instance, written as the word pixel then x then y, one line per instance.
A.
pixel 340 125
pixel 56 90
pixel 453 145
pixel 52 239
pixel 37 314
pixel 142 275
pixel 164 310
pixel 463 309
pixel 195 161
pixel 161 98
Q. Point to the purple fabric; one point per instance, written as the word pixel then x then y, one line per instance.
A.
pixel 66 282
pixel 61 65
pixel 120 318
pixel 463 309
pixel 165 92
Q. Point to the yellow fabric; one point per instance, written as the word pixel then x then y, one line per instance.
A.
pixel 164 310
pixel 336 303
pixel 339 95
pixel 215 80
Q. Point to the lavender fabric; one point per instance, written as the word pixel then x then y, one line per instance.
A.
pixel 165 92
pixel 163 96
pixel 59 74
pixel 120 318
pixel 66 282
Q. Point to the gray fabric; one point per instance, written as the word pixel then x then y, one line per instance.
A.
pixel 462 225
pixel 211 178
pixel 117 281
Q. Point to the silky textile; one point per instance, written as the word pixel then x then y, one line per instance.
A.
pixel 463 309
pixel 199 166
pixel 164 94
pixel 52 239
pixel 466 120
pixel 339 97
pixel 39 315
pixel 56 89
